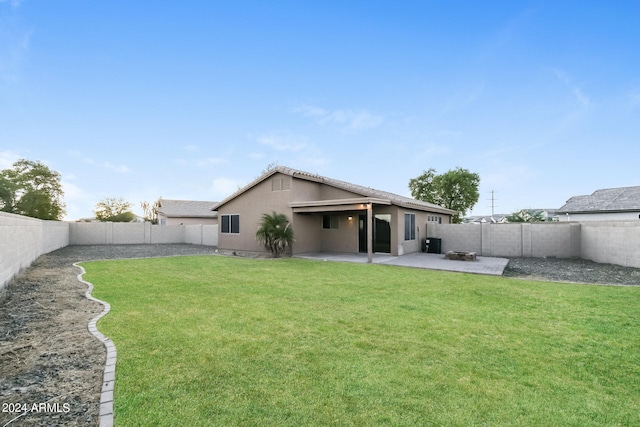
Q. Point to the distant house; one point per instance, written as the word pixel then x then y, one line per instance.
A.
pixel 603 205
pixel 525 214
pixel 533 215
pixel 326 215
pixel 479 219
pixel 185 212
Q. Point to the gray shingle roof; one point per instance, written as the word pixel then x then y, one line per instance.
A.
pixel 357 189
pixel 605 200
pixel 186 208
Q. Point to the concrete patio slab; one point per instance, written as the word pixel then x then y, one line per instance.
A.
pixel 483 265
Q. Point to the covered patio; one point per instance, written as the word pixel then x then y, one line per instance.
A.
pixel 483 265
pixel 356 205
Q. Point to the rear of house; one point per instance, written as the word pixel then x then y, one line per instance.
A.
pixel 326 215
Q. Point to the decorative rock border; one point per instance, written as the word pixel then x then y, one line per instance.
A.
pixel 108 382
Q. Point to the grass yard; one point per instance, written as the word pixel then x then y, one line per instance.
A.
pixel 228 341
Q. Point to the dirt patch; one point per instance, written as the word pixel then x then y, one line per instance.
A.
pixel 47 355
pixel 49 359
pixel 50 364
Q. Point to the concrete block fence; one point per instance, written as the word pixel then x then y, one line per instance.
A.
pixel 23 239
pixel 612 242
pixel 120 233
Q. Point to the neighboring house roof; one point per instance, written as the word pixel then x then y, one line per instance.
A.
pixel 186 209
pixel 605 200
pixel 376 195
pixel 496 218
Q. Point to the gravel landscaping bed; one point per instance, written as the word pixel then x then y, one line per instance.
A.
pixel 49 359
pixel 572 270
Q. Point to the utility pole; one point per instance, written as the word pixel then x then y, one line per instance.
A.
pixel 493 203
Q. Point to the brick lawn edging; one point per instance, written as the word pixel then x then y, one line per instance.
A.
pixel 108 382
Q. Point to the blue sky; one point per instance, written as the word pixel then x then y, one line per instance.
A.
pixel 192 99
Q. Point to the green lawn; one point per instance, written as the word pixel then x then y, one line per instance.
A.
pixel 227 341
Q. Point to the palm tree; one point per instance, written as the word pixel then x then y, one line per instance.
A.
pixel 275 233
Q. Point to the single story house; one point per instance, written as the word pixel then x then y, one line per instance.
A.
pixel 186 212
pixel 326 215
pixel 607 204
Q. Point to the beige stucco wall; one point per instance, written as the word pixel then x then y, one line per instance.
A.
pixel 308 232
pixel 345 237
pixel 251 205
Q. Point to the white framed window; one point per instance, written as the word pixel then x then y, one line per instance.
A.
pixel 230 224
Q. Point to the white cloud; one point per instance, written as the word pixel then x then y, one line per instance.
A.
pixel 78 201
pixel 8 158
pixel 210 161
pixel 350 120
pixel 432 150
pixel 118 169
pixel 634 99
pixel 73 192
pixel 311 111
pixel 462 98
pixel 191 148
pixel 14 48
pixel 256 156
pixel 78 155
pixel 223 187
pixel 582 99
pixel 13 3
pixel 509 176
pixel 285 142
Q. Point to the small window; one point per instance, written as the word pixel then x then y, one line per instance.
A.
pixel 409 226
pixel 230 224
pixel 330 221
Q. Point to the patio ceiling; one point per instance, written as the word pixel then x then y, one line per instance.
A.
pixel 337 205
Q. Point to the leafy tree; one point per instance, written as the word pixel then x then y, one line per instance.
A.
pixel 7 194
pixel 456 189
pixel 422 187
pixel 275 233
pixel 114 210
pixel 150 211
pixel 525 215
pixel 32 189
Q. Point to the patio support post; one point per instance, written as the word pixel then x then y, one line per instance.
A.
pixel 369 232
